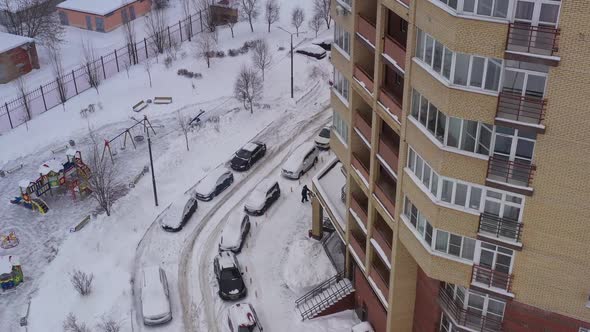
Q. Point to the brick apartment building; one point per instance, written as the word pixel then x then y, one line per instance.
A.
pixel 18 56
pixel 458 199
pixel 101 15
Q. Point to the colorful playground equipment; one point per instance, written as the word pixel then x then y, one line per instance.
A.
pixel 11 274
pixel 56 176
pixel 8 241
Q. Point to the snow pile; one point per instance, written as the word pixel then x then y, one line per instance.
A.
pixel 363 327
pixel 9 41
pixel 306 265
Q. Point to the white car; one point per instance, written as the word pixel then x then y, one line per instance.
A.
pixel 322 140
pixel 178 214
pixel 243 318
pixel 214 183
pixel 155 299
pixel 300 161
pixel 262 197
pixel 234 233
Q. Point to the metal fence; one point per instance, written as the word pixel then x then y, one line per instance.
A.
pixel 40 100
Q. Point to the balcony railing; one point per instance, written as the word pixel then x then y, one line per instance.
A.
pixel 358 247
pixel 366 29
pixel 360 212
pixel 363 126
pixel 362 76
pixel 510 172
pixel 384 198
pixel 502 228
pixel 384 241
pixel 396 51
pixel 470 318
pixel 526 38
pixel 406 2
pixel 356 162
pixel 491 278
pixel 525 109
pixel 391 103
pixel 389 154
pixel 380 281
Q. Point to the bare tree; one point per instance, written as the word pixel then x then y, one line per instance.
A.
pixel 202 7
pixel 109 325
pixel 322 8
pixel 297 18
pixel 183 124
pixel 231 24
pixel 21 88
pixel 148 69
pixel 71 324
pixel 272 12
pixel 315 23
pixel 32 18
pixel 250 9
pixel 91 64
pixel 58 72
pixel 186 12
pixel 101 180
pixel 82 282
pixel 261 55
pixel 131 40
pixel 206 43
pixel 160 4
pixel 248 87
pixel 155 25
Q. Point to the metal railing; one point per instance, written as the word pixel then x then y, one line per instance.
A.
pixel 523 37
pixel 470 318
pixel 510 172
pixel 500 227
pixel 491 278
pixel 323 295
pixel 526 109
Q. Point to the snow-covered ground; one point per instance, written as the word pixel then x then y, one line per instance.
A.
pixel 115 248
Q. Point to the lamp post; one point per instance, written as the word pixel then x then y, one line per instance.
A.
pixel 151 162
pixel 291 33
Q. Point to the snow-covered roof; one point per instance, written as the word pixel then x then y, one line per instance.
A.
pixel 231 234
pixel 50 166
pixel 153 298
pixel 7 262
pixel 250 147
pixel 313 49
pixel 9 41
pixel 226 260
pixel 296 159
pixel 241 314
pixel 97 7
pixel 207 185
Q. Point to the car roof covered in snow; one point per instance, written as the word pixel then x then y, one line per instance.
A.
pixel 153 298
pixel 207 185
pixel 296 158
pixel 241 314
pixel 313 49
pixel 9 41
pixel 258 195
pixel 226 260
pixel 251 146
pixel 231 234
pixel 7 262
pixel 172 215
pixel 97 7
pixel 50 166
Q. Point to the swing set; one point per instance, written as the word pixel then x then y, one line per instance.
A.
pixel 127 135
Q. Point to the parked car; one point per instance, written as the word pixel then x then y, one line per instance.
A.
pixel 322 140
pixel 155 298
pixel 229 276
pixel 234 233
pixel 178 214
pixel 214 184
pixel 243 318
pixel 300 161
pixel 262 197
pixel 245 157
pixel 313 51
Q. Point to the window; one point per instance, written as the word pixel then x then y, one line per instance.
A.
pixel 124 15
pixel 342 39
pixel 99 21
pixel 484 8
pixel 479 304
pixel 454 245
pixel 63 18
pixel 131 12
pixel 419 222
pixel 423 171
pixel 340 126
pixel 341 84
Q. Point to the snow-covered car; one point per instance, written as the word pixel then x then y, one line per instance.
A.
pixel 242 317
pixel 178 214
pixel 155 298
pixel 214 184
pixel 363 327
pixel 245 157
pixel 300 161
pixel 262 197
pixel 234 233
pixel 229 277
pixel 322 140
pixel 313 51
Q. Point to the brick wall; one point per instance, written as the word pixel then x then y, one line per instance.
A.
pixel 364 296
pixel 426 309
pixel 520 317
pixel 18 61
pixel 111 21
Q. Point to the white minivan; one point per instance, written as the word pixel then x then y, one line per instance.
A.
pixel 155 298
pixel 301 161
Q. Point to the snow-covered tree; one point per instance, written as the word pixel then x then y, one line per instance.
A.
pixel 322 8
pixel 315 24
pixel 82 282
pixel 248 87
pixel 91 64
pixel 206 43
pixel 131 40
pixel 202 7
pixel 183 125
pixel 250 9
pixel 261 56
pixel 297 18
pixel 21 88
pixel 32 18
pixel 71 324
pixel 58 72
pixel 271 12
pixel 155 25
pixel 101 180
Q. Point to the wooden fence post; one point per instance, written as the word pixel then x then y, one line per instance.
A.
pixel 43 96
pixel 75 85
pixel 104 74
pixel 117 60
pixel 9 118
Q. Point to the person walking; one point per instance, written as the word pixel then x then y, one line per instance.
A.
pixel 304 192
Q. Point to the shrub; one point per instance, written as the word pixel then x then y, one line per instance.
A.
pixel 168 62
pixel 109 325
pixel 71 324
pixel 220 54
pixel 82 282
pixel 233 52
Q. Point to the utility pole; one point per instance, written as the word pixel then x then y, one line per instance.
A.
pixel 151 161
pixel 292 51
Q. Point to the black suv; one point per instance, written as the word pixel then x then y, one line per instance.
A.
pixel 229 277
pixel 249 154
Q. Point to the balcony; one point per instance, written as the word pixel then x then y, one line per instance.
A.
pixel 470 318
pixel 363 78
pixel 330 186
pixel 356 206
pixel 524 110
pixel 512 173
pixel 389 153
pixel 490 278
pixel 536 40
pixel 381 278
pixel 383 235
pixel 385 193
pixel 395 52
pixel 500 228
pixel 361 168
pixel 363 126
pixel 366 30
pixel 391 105
pixel 358 244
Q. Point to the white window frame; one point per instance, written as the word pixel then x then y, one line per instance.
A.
pixel 340 127
pixel 462 246
pixel 460 10
pixel 465 300
pixel 341 34
pixel 341 86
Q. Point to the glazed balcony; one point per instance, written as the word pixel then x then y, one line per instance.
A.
pixel 389 152
pixel 363 125
pixel 490 278
pixel 364 78
pixel 359 207
pixel 512 173
pixel 472 319
pixel 537 40
pixel 366 29
pixel 395 51
pixel 524 110
pixel 500 228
